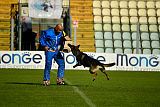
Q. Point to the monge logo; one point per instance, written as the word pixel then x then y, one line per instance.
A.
pixel 20 58
pixel 123 59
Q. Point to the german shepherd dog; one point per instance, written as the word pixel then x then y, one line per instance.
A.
pixel 86 61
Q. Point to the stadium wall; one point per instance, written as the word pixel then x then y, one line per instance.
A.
pixel 36 60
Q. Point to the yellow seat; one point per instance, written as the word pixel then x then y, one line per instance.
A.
pixel 151 12
pixel 105 12
pixel 123 4
pixel 133 12
pixel 150 4
pixel 105 4
pixel 115 12
pixel 124 12
pixel 97 19
pixel 114 4
pixel 96 3
pixel 133 20
pixel 142 12
pixel 115 19
pixel 141 4
pixel 106 19
pixel 143 20
pixel 132 4
pixel 125 20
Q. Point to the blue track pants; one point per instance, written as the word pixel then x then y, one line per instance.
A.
pixel 48 64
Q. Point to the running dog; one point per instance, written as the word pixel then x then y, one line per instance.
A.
pixel 86 61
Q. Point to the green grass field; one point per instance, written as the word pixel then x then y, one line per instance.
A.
pixel 23 88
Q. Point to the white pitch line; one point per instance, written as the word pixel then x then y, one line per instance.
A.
pixel 77 90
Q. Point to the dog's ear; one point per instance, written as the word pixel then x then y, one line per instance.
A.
pixel 78 46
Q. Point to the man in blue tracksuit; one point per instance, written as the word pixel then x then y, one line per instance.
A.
pixel 50 40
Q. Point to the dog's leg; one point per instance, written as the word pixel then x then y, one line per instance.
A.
pixel 93 72
pixel 103 70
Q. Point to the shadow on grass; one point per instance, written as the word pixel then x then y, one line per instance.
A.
pixel 21 83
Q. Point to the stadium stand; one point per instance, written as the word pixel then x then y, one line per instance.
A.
pixel 118 25
pixel 82 10
pixel 7 10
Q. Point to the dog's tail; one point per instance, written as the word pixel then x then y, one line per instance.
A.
pixel 109 65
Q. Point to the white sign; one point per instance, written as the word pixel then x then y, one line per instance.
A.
pixel 45 9
pixel 75 23
pixel 36 60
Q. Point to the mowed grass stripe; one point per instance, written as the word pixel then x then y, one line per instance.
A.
pixel 23 87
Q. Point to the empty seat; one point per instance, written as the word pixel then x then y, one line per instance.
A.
pixel 133 20
pixel 107 35
pixel 155 44
pixel 127 44
pixel 134 28
pixel 105 4
pixel 135 51
pixel 156 51
pixel 114 4
pixel 158 12
pixel 106 19
pixel 118 50
pixel 144 28
pixel 133 12
pixel 132 4
pixel 98 27
pixel 158 20
pixel 128 51
pixel 109 43
pixel 145 44
pixel 125 20
pixel 109 50
pixel 126 36
pixel 118 43
pixel 146 51
pixel 141 4
pixel 97 19
pixel 152 20
pixel 153 28
pixel 116 19
pixel 134 44
pixel 124 12
pixel 96 4
pixel 154 36
pixel 99 50
pixel 96 11
pixel 107 27
pixel 115 12
pixel 134 35
pixel 125 27
pixel 142 12
pixel 117 35
pixel 123 4
pixel 98 35
pixel 144 36
pixel 151 12
pixel 157 4
pixel 143 20
pixel 116 27
pixel 150 4
pixel 106 12
pixel 99 43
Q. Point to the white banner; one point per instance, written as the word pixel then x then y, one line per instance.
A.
pixel 45 9
pixel 36 60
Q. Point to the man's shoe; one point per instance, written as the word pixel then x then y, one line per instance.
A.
pixel 46 83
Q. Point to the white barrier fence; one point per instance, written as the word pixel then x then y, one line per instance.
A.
pixel 36 60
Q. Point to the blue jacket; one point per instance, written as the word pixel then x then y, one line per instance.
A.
pixel 48 37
